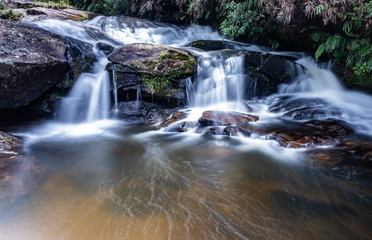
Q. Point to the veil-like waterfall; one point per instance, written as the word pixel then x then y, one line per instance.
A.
pixel 219 80
pixel 88 100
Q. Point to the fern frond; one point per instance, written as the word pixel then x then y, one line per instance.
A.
pixel 321 49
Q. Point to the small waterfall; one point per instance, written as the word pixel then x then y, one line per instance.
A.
pixel 219 80
pixel 132 30
pixel 312 78
pixel 89 98
pixel 190 92
pixel 115 90
pixel 138 96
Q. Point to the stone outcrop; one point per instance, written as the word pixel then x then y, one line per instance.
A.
pixel 31 62
pixel 155 60
pixel 159 72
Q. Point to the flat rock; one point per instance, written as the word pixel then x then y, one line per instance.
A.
pixel 308 134
pixel 218 118
pixel 155 60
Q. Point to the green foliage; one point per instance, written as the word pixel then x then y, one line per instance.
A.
pixel 352 46
pixel 243 19
pixel 2 6
pixel 9 14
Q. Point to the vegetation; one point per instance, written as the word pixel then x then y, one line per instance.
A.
pixel 156 84
pixel 9 14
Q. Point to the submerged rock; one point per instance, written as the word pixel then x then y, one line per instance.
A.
pixel 31 62
pixel 10 154
pixel 218 118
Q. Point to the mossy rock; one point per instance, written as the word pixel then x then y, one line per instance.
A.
pixel 166 62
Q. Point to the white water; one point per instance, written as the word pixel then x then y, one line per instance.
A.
pixel 88 100
pixel 219 80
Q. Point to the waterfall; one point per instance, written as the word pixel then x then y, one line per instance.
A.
pixel 219 80
pixel 115 90
pixel 89 98
pixel 312 78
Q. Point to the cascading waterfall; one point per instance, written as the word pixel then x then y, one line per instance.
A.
pixel 219 80
pixel 88 100
pixel 115 90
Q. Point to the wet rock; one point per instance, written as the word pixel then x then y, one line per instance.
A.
pixel 9 142
pixel 361 148
pixel 230 131
pixel 267 71
pixel 217 118
pixel 308 134
pixel 31 62
pixel 214 131
pixel 177 116
pixel 134 111
pixel 80 56
pixel 312 113
pixel 106 48
pixel 10 155
pixel 158 72
pixel 155 60
pixel 288 103
pixel 213 45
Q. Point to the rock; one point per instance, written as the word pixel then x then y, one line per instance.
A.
pixel 158 72
pixel 31 62
pixel 213 45
pixel 9 142
pixel 226 131
pixel 308 134
pixel 218 118
pixel 81 58
pixel 177 116
pixel 267 71
pixel 134 111
pixel 155 60
pixel 106 48
pixel 10 154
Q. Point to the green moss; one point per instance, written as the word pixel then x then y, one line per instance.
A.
pixel 156 84
pixel 198 44
pixel 9 14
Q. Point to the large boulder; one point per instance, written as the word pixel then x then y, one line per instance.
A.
pixel 31 62
pixel 158 71
pixel 268 71
pixel 155 60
